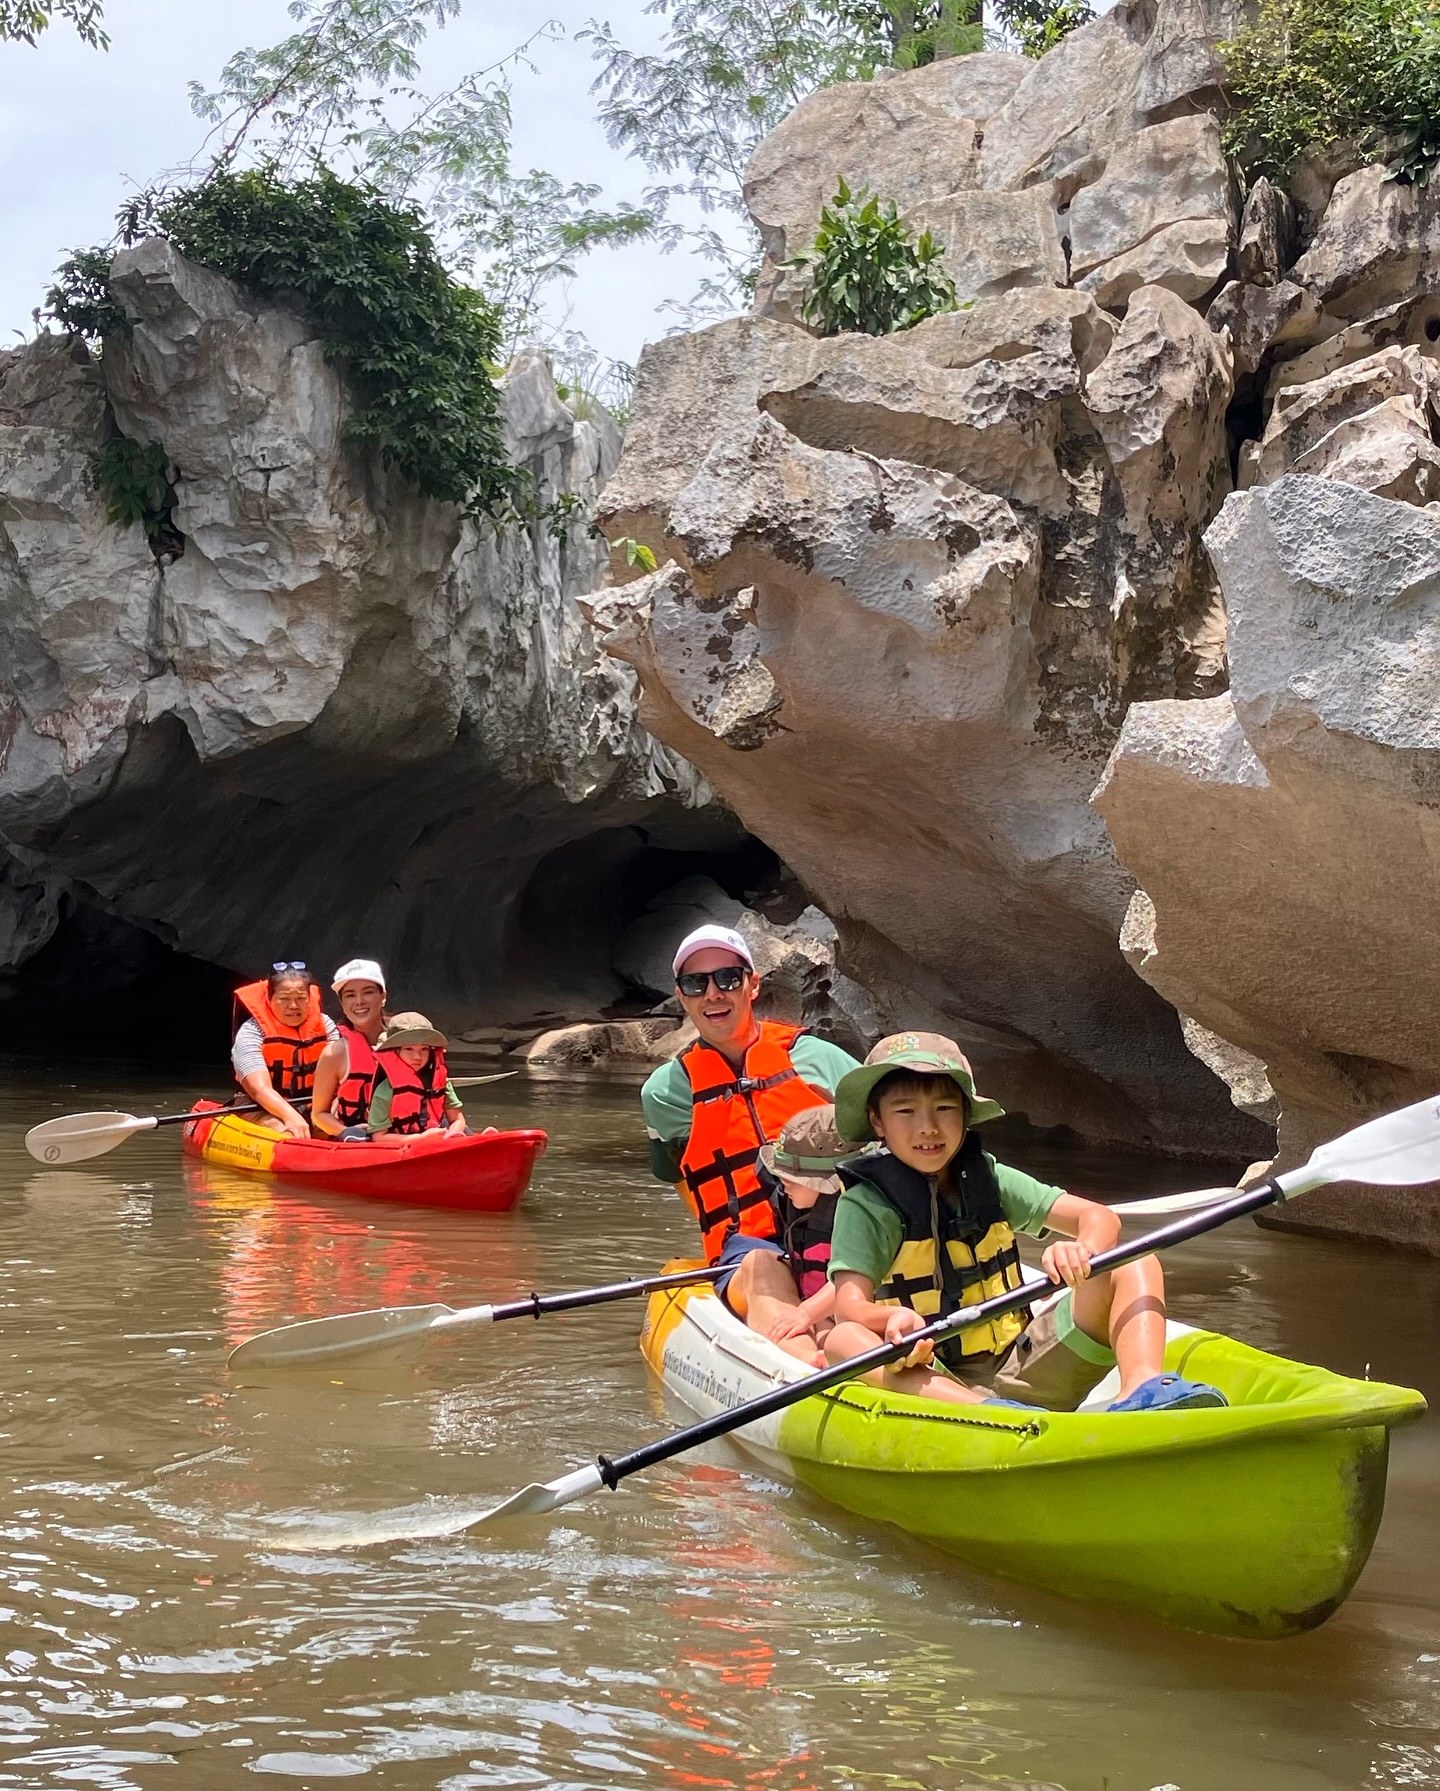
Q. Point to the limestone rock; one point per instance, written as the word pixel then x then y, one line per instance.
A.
pixel 1286 833
pixel 1377 243
pixel 613 1044
pixel 344 714
pixel 1370 424
pixel 980 393
pixel 1073 107
pixel 1260 318
pixel 1161 214
pixel 919 673
pixel 1267 235
pixel 1413 322
pixel 687 389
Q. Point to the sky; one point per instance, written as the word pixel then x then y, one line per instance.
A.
pixel 81 128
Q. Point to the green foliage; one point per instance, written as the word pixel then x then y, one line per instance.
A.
pixel 80 298
pixel 340 90
pixel 636 552
pixel 864 272
pixel 1307 73
pixel 727 72
pixel 23 20
pixel 416 345
pixel 1038 25
pixel 133 480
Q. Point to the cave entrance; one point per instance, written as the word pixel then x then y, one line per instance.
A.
pixel 103 987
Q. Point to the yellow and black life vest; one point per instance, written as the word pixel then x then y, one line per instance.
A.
pixel 418 1101
pixel 958 1247
pixel 291 1052
pixel 733 1116
pixel 352 1098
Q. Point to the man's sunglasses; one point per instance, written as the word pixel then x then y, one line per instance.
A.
pixel 727 979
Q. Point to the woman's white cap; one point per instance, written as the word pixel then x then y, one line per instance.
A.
pixel 722 937
pixel 358 970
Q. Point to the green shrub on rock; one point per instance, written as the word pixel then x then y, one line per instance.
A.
pixel 1303 74
pixel 417 347
pixel 865 273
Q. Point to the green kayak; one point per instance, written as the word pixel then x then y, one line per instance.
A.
pixel 1254 1520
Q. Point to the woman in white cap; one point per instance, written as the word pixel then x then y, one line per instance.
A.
pixel 345 1075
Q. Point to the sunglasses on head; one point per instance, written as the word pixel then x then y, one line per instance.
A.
pixel 727 979
pixel 290 964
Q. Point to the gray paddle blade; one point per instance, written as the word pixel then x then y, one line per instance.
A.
pixel 425 1523
pixel 78 1136
pixel 1399 1150
pixel 331 1339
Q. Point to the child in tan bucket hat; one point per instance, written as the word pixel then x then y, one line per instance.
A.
pixel 799 1170
pixel 927 1225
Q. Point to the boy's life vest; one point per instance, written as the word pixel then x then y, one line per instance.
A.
pixel 734 1114
pixel 805 1233
pixel 352 1098
pixel 417 1103
pixel 958 1247
pixel 291 1052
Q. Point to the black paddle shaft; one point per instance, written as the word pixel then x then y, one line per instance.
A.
pixel 536 1305
pixel 1193 1225
pixel 185 1119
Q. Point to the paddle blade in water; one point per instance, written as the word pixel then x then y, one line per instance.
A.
pixel 81 1135
pixel 347 1334
pixel 422 1523
pixel 1400 1150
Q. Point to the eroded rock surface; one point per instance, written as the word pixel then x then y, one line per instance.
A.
pixel 343 717
pixel 1287 832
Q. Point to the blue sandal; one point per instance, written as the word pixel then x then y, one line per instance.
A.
pixel 1170 1393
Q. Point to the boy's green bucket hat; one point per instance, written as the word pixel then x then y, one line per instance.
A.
pixel 927 1052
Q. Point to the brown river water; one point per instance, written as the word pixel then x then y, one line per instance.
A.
pixel 705 1628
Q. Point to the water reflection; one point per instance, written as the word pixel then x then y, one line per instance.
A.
pixel 707 1627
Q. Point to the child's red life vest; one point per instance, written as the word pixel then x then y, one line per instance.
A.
pixel 733 1116
pixel 418 1101
pixel 352 1099
pixel 291 1052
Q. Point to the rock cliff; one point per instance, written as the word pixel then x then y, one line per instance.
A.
pixel 924 592
pixel 913 583
pixel 342 718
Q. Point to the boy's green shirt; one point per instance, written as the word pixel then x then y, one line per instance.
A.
pixel 378 1118
pixel 868 1232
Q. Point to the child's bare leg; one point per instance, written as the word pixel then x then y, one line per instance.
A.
pixel 848 1340
pixel 1126 1309
pixel 762 1290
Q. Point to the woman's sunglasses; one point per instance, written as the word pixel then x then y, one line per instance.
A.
pixel 727 979
pixel 290 964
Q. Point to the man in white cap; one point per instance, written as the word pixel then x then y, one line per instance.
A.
pixel 345 1074
pixel 709 1111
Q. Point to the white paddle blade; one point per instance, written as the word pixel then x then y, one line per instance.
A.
pixel 81 1135
pixel 423 1523
pixel 328 1339
pixel 1173 1203
pixel 1400 1150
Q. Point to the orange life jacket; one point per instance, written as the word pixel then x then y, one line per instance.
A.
pixel 418 1102
pixel 291 1052
pixel 733 1116
pixel 352 1098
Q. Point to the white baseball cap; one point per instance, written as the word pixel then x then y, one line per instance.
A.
pixel 722 937
pixel 358 970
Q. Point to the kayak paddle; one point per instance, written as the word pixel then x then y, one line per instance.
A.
pixel 354 1333
pixel 77 1136
pixel 1398 1150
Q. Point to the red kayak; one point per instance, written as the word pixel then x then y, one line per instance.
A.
pixel 482 1172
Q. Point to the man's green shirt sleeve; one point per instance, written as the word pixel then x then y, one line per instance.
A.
pixel 666 1102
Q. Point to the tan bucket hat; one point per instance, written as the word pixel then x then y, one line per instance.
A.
pixel 928 1052
pixel 410 1029
pixel 808 1149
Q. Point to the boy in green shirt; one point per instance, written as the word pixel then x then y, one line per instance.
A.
pixel 927 1226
